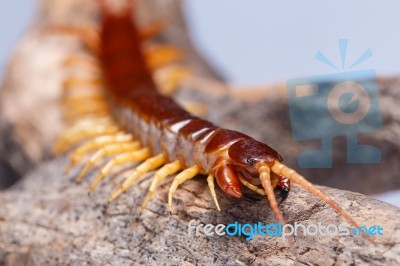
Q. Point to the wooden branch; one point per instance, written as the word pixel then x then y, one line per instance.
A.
pixel 49 220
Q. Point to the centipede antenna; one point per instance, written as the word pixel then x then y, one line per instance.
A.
pixel 282 169
pixel 265 178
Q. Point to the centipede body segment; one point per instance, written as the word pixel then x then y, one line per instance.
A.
pixel 118 114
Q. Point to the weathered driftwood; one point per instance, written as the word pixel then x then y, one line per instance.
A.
pixel 29 105
pixel 48 219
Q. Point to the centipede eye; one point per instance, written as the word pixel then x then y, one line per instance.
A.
pixel 250 161
pixel 248 152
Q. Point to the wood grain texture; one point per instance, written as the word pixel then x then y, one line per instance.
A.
pixel 49 220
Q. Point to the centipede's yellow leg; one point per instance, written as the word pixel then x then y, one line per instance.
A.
pixel 161 55
pixel 148 165
pixel 92 109
pixel 95 131
pixel 88 103
pixel 108 150
pixel 78 57
pixel 250 186
pixel 170 77
pixel 78 100
pixel 82 61
pixel 95 144
pixel 195 108
pixel 94 106
pixel 162 173
pixel 186 174
pixel 71 120
pixel 89 95
pixel 83 123
pixel 134 156
pixel 77 82
pixel 88 33
pixel 72 112
pixel 210 181
pixel 151 30
pixel 89 122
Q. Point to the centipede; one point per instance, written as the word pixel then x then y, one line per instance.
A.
pixel 119 114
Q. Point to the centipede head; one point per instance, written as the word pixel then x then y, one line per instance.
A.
pixel 247 155
pixel 248 161
pixel 240 166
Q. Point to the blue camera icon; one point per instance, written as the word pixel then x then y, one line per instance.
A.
pixel 340 104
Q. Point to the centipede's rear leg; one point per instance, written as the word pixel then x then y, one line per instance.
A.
pixel 162 59
pixel 68 140
pixel 108 150
pixel 97 143
pixel 90 36
pixel 87 33
pixel 148 165
pixel 120 159
pixel 163 172
pixel 186 174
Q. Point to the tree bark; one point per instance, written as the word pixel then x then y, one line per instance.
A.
pixel 49 220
